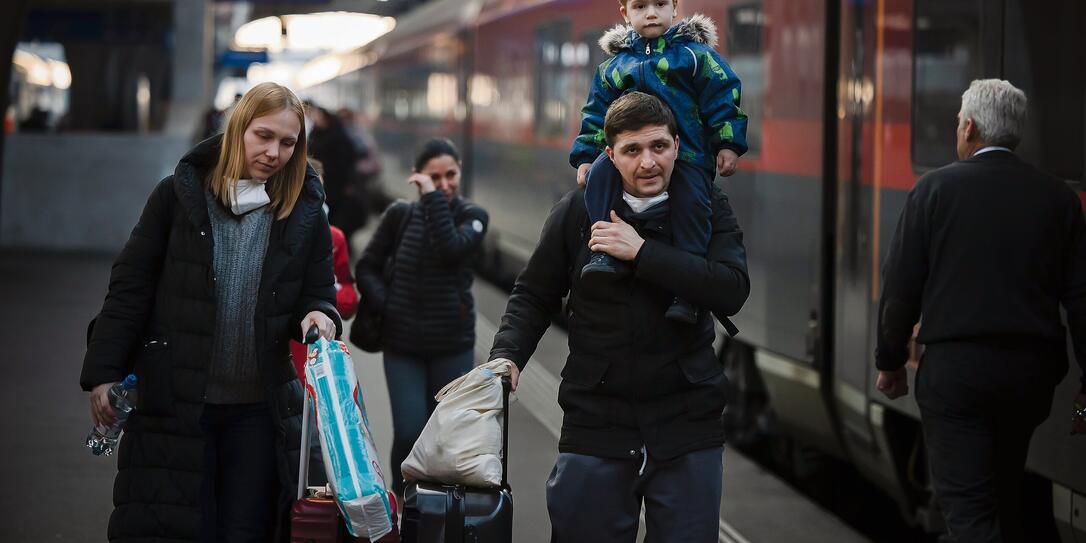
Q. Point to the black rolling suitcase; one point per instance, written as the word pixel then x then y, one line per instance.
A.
pixel 440 513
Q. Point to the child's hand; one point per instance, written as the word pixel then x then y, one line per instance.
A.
pixel 726 162
pixel 582 173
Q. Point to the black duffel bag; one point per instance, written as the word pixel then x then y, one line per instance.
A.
pixel 366 331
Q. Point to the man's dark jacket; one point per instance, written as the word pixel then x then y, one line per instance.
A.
pixel 633 377
pixel 987 249
pixel 428 307
pixel 158 320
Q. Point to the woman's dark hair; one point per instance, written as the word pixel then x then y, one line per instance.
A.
pixel 433 149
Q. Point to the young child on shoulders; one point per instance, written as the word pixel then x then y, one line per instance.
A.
pixel 675 62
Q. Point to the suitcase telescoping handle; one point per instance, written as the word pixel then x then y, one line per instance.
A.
pixel 454 498
pixel 303 452
pixel 507 386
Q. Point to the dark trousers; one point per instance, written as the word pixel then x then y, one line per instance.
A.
pixel 240 487
pixel 689 193
pixel 599 499
pixel 979 406
pixel 412 383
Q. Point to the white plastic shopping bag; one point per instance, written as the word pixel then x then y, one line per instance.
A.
pixel 462 441
pixel 350 458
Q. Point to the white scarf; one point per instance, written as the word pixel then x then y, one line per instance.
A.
pixel 640 204
pixel 248 194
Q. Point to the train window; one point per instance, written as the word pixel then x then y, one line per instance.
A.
pixel 946 57
pixel 746 55
pixel 1042 55
pixel 555 55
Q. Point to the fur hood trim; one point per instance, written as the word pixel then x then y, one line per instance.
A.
pixel 697 28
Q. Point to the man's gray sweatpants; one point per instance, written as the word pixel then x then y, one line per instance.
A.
pixel 599 499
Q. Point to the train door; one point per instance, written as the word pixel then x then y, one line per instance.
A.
pixel 852 288
pixel 883 150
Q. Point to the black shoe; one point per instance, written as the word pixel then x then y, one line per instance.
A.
pixel 601 263
pixel 682 311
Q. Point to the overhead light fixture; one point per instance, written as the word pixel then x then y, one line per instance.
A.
pixel 62 74
pixel 266 33
pixel 330 31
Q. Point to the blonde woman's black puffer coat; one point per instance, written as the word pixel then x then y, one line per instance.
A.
pixel 158 320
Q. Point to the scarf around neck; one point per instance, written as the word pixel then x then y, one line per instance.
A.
pixel 248 194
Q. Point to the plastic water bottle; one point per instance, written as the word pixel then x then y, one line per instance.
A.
pixel 122 396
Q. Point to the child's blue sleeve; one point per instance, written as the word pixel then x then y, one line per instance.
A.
pixel 719 91
pixel 590 140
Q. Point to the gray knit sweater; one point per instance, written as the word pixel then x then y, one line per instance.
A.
pixel 240 245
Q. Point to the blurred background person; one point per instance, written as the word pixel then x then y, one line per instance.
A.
pixel 366 164
pixel 36 121
pixel 330 143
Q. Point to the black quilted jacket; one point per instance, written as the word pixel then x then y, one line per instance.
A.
pixel 426 296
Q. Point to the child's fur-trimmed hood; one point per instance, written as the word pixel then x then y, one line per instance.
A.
pixel 697 28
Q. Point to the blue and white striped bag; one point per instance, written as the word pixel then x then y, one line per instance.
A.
pixel 350 457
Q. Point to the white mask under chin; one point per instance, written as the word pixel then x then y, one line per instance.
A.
pixel 641 204
pixel 249 194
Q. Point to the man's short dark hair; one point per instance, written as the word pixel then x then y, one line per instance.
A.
pixel 635 111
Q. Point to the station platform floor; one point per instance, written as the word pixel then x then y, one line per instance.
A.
pixel 54 490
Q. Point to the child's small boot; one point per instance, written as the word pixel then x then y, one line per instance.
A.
pixel 601 263
pixel 682 311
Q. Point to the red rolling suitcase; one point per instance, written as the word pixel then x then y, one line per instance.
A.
pixel 315 517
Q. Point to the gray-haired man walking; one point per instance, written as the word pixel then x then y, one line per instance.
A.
pixel 986 251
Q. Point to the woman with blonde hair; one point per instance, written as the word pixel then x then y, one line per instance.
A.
pixel 231 258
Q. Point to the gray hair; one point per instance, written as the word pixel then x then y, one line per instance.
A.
pixel 998 109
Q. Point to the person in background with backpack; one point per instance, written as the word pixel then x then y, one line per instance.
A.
pixel 416 271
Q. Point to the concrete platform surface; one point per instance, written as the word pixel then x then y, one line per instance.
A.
pixel 56 491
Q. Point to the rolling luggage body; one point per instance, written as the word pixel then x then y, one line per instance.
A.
pixel 315 519
pixel 439 513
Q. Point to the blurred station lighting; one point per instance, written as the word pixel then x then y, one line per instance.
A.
pixel 333 31
pixel 306 50
pixel 38 71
